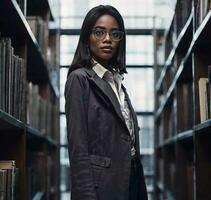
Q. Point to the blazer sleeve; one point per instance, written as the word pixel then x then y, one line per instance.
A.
pixel 76 95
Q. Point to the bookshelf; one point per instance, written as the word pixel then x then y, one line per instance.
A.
pixel 29 100
pixel 182 135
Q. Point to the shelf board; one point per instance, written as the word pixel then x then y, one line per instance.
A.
pixel 179 44
pixel 38 196
pixel 9 123
pixel 170 141
pixel 185 136
pixel 203 127
pixel 174 82
pixel 202 37
pixel 51 142
pixel 180 137
pixel 36 135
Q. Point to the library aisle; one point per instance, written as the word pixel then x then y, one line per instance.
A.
pixel 169 82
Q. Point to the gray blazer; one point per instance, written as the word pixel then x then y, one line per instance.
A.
pixel 99 142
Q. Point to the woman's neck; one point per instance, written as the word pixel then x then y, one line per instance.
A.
pixel 104 64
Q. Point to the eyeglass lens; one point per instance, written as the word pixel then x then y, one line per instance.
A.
pixel 115 35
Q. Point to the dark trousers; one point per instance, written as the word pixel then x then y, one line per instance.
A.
pixel 134 181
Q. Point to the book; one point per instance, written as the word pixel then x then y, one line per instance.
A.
pixel 3 73
pixel 190 182
pixel 9 166
pixel 202 8
pixel 35 169
pixel 41 113
pixel 39 28
pixel 12 80
pixel 3 175
pixel 202 84
pixel 209 90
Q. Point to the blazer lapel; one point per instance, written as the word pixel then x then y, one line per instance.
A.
pixel 136 129
pixel 107 91
pixel 130 105
pixel 106 94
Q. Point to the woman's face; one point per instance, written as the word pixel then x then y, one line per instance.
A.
pixel 102 45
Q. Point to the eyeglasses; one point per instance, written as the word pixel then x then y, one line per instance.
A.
pixel 100 34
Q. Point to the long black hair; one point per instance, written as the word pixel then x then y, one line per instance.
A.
pixel 82 57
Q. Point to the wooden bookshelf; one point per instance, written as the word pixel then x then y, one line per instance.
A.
pixel 29 118
pixel 8 122
pixel 182 139
pixel 179 45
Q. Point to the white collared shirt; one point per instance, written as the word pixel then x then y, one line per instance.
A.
pixel 115 81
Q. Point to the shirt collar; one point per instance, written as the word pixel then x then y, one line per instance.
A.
pixel 100 71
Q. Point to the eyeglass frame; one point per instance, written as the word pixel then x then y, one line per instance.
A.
pixel 94 29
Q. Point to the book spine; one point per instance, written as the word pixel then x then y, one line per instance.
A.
pixel 1 74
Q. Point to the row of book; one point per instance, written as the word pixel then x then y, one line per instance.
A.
pixel 202 8
pixel 182 13
pixel 204 86
pixel 41 112
pixel 12 80
pixel 39 165
pixel 184 106
pixel 183 10
pixel 39 27
pixel 160 172
pixel 166 127
pixel 40 30
pixel 168 170
pixel 171 177
pixel 171 118
pixel 169 77
pixel 9 180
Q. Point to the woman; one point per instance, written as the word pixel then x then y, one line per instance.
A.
pixel 102 127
